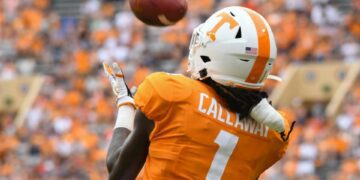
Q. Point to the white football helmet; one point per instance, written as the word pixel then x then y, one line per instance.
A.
pixel 235 47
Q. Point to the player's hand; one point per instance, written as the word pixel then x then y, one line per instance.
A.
pixel 118 84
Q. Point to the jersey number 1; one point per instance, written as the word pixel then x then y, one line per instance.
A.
pixel 227 143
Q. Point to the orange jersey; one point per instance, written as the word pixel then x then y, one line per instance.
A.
pixel 196 137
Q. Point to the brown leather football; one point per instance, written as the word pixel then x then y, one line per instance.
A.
pixel 159 12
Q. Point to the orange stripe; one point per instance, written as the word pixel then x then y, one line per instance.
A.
pixel 119 75
pixel 263 48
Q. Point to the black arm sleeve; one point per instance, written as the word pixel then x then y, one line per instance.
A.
pixel 118 138
pixel 126 159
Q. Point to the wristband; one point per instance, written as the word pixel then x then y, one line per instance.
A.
pixel 125 100
pixel 125 117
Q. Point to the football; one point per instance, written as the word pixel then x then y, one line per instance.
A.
pixel 159 12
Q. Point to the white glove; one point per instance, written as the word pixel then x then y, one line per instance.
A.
pixel 119 87
pixel 265 113
pixel 124 100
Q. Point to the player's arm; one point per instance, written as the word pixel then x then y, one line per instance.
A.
pixel 127 154
pixel 118 138
pixel 129 144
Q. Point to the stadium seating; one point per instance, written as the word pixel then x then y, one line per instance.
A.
pixel 66 131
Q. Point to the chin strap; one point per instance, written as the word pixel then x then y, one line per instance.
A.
pixel 286 137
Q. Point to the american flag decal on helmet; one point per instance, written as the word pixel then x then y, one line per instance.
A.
pixel 251 51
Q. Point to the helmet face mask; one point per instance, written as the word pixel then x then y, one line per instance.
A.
pixel 198 41
pixel 195 43
pixel 235 47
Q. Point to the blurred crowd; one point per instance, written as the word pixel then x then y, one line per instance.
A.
pixel 67 130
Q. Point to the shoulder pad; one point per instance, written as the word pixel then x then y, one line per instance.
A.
pixel 170 87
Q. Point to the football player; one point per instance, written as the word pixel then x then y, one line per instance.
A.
pixel 216 124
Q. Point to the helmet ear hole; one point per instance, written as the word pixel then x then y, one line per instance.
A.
pixel 205 58
pixel 238 34
pixel 203 73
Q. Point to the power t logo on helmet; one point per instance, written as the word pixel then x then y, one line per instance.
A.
pixel 235 46
pixel 225 19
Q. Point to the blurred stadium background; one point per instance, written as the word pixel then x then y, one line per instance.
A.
pixel 57 108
